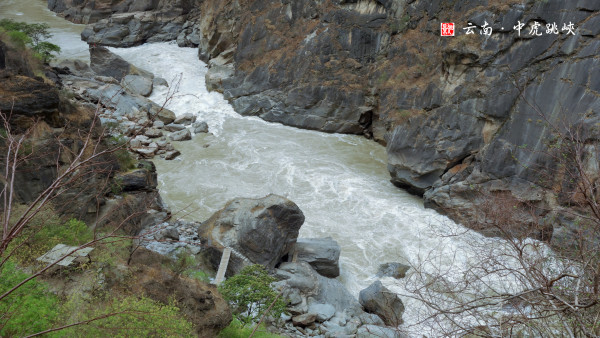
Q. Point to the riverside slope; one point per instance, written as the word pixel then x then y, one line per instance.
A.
pixel 450 110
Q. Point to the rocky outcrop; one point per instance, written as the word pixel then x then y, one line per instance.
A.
pixel 260 231
pixel 105 63
pixel 321 306
pixel 379 300
pixel 323 254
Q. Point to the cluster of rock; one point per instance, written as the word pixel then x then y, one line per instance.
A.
pixel 120 90
pixel 265 231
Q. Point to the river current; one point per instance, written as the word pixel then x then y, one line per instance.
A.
pixel 339 181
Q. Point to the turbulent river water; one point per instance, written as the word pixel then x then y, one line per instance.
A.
pixel 339 181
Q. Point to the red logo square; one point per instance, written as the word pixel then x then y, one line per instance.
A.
pixel 447 29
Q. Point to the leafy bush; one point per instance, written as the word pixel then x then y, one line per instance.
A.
pixel 29 309
pixel 45 231
pixel 31 35
pixel 250 294
pixel 130 317
pixel 238 330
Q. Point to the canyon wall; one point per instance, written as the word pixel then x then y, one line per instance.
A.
pixel 466 119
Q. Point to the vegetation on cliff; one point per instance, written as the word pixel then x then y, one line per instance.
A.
pixel 32 36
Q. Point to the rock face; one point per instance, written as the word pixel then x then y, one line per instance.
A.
pixel 28 98
pixel 449 109
pixel 262 230
pixel 137 84
pixel 384 303
pixel 106 63
pixel 323 254
pixel 127 23
pixel 302 277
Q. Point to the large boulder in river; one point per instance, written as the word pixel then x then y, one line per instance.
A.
pixel 379 300
pixel 106 63
pixel 260 231
pixel 323 254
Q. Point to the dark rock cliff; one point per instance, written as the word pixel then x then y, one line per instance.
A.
pixel 459 115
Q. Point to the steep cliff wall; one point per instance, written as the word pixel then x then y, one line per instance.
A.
pixel 459 115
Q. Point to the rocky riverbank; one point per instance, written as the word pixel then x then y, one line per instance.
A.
pixel 119 92
pixel 113 193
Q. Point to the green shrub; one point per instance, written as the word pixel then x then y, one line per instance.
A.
pixel 134 317
pixel 19 38
pixel 198 275
pixel 31 35
pixel 29 309
pixel 238 330
pixel 250 294
pixel 45 231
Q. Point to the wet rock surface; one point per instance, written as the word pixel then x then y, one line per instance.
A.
pixel 322 254
pixel 260 231
pixel 394 270
pixel 379 300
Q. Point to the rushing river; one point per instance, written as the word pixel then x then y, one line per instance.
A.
pixel 339 181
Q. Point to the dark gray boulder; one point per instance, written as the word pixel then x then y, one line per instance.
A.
pixel 261 230
pixel 141 179
pixel 383 302
pixel 323 254
pixel 137 84
pixel 323 290
pixel 200 127
pixel 182 135
pixel 106 63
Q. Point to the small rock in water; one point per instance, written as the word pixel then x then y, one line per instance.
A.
pixel 174 127
pixel 200 127
pixel 171 155
pixel 396 270
pixel 162 143
pixel 159 81
pixel 185 119
pixel 182 135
